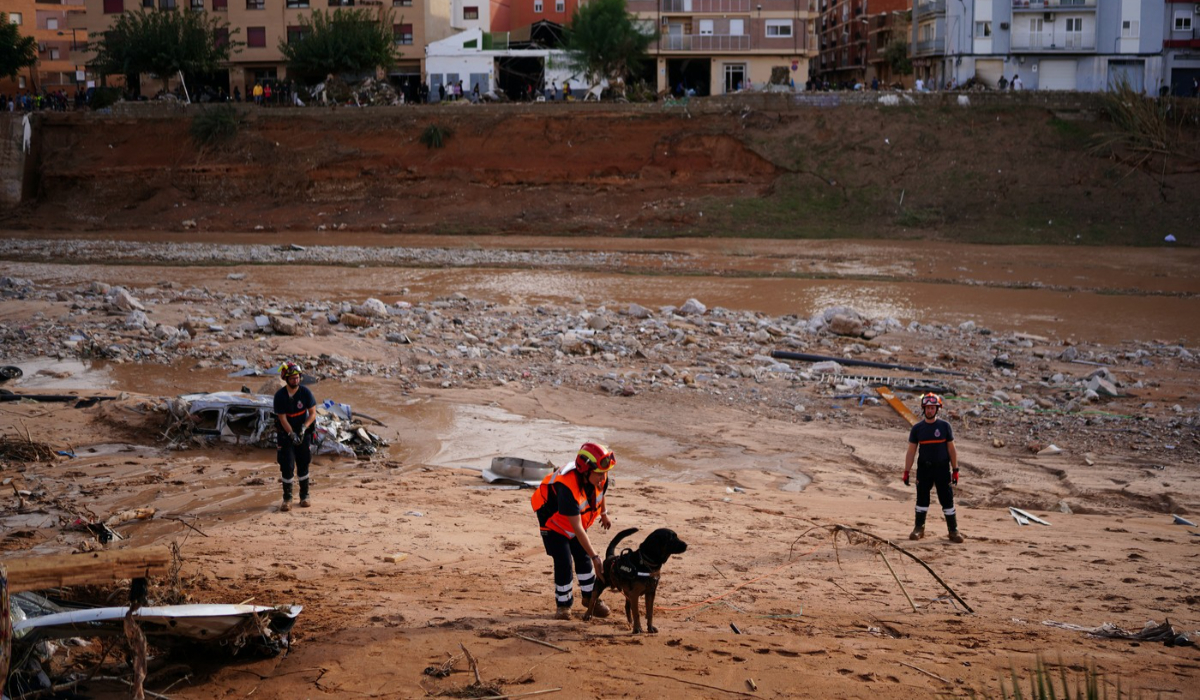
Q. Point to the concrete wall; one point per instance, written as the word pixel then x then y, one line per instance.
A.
pixel 12 159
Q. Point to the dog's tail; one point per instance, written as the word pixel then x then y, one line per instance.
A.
pixel 612 546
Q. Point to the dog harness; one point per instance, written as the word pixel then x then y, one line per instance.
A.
pixel 632 565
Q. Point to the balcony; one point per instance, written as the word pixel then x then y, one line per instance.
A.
pixel 1053 42
pixel 1053 5
pixel 931 7
pixel 705 42
pixel 705 6
pixel 925 47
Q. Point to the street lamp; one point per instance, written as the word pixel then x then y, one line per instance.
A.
pixel 74 44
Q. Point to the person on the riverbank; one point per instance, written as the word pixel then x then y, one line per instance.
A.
pixel 931 442
pixel 296 411
pixel 567 502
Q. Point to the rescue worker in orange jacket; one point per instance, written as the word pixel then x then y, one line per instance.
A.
pixel 567 502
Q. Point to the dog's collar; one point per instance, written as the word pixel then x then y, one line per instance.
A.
pixel 650 562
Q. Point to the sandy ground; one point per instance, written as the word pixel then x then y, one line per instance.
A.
pixel 763 594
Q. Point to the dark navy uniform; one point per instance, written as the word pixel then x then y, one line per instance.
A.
pixel 933 469
pixel 294 459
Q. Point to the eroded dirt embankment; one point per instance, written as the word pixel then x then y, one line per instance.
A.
pixel 1012 174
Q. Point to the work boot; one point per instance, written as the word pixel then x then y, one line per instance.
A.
pixel 956 536
pixel 304 503
pixel 562 614
pixel 602 610
pixel 917 533
pixel 287 505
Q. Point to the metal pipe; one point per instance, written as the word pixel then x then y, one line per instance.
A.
pixel 805 357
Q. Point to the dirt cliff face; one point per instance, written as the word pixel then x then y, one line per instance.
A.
pixel 1003 174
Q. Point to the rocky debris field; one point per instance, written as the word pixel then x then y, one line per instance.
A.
pixel 1017 390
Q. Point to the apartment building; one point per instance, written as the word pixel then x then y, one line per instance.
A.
pixel 1181 46
pixel 720 46
pixel 853 35
pixel 1052 44
pixel 885 28
pixel 60 64
pixel 508 15
pixel 263 24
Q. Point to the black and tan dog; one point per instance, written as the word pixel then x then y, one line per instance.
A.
pixel 635 573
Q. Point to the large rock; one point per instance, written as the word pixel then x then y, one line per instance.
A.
pixel 693 306
pixel 136 320
pixel 638 311
pixel 1102 386
pixel 121 300
pixel 572 344
pixel 842 324
pixel 284 325
pixel 372 308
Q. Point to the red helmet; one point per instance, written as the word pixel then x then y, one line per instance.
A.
pixel 931 399
pixel 289 369
pixel 593 455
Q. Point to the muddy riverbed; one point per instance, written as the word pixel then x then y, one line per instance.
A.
pixel 526 347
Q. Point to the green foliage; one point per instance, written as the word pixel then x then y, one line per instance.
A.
pixel 104 97
pixel 605 41
pixel 436 135
pixel 163 42
pixel 1089 686
pixel 342 41
pixel 215 125
pixel 896 56
pixel 16 51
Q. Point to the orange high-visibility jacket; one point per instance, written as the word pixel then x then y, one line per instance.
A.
pixel 587 511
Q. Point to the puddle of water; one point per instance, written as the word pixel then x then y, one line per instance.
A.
pixel 478 433
pixel 44 373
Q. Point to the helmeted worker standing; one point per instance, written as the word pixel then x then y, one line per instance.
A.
pixel 296 411
pixel 567 502
pixel 931 442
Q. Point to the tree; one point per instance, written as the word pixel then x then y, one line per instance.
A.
pixel 606 42
pixel 342 41
pixel 896 56
pixel 163 42
pixel 16 51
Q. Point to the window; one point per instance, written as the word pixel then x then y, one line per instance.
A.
pixel 779 27
pixel 341 3
pixel 706 27
pixel 256 4
pixel 401 3
pixel 256 37
pixel 54 54
pixel 1130 29
pixel 15 17
pixel 147 4
pixel 51 23
pixel 21 82
pixel 296 33
pixel 297 4
pixel 560 6
pixel 537 6
pixel 470 13
pixel 166 4
pixel 983 30
pixel 221 37
pixel 197 5
pixel 220 5
pixel 1183 21
pixel 737 27
pixel 1074 24
pixel 403 34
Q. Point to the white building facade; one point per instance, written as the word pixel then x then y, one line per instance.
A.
pixel 1086 45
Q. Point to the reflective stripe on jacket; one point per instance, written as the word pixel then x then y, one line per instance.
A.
pixel 587 511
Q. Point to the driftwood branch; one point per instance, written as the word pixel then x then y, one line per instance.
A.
pixel 928 673
pixel 181 520
pixel 842 528
pixel 474 666
pixel 538 641
pixel 519 695
pixel 701 685
pixel 901 585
